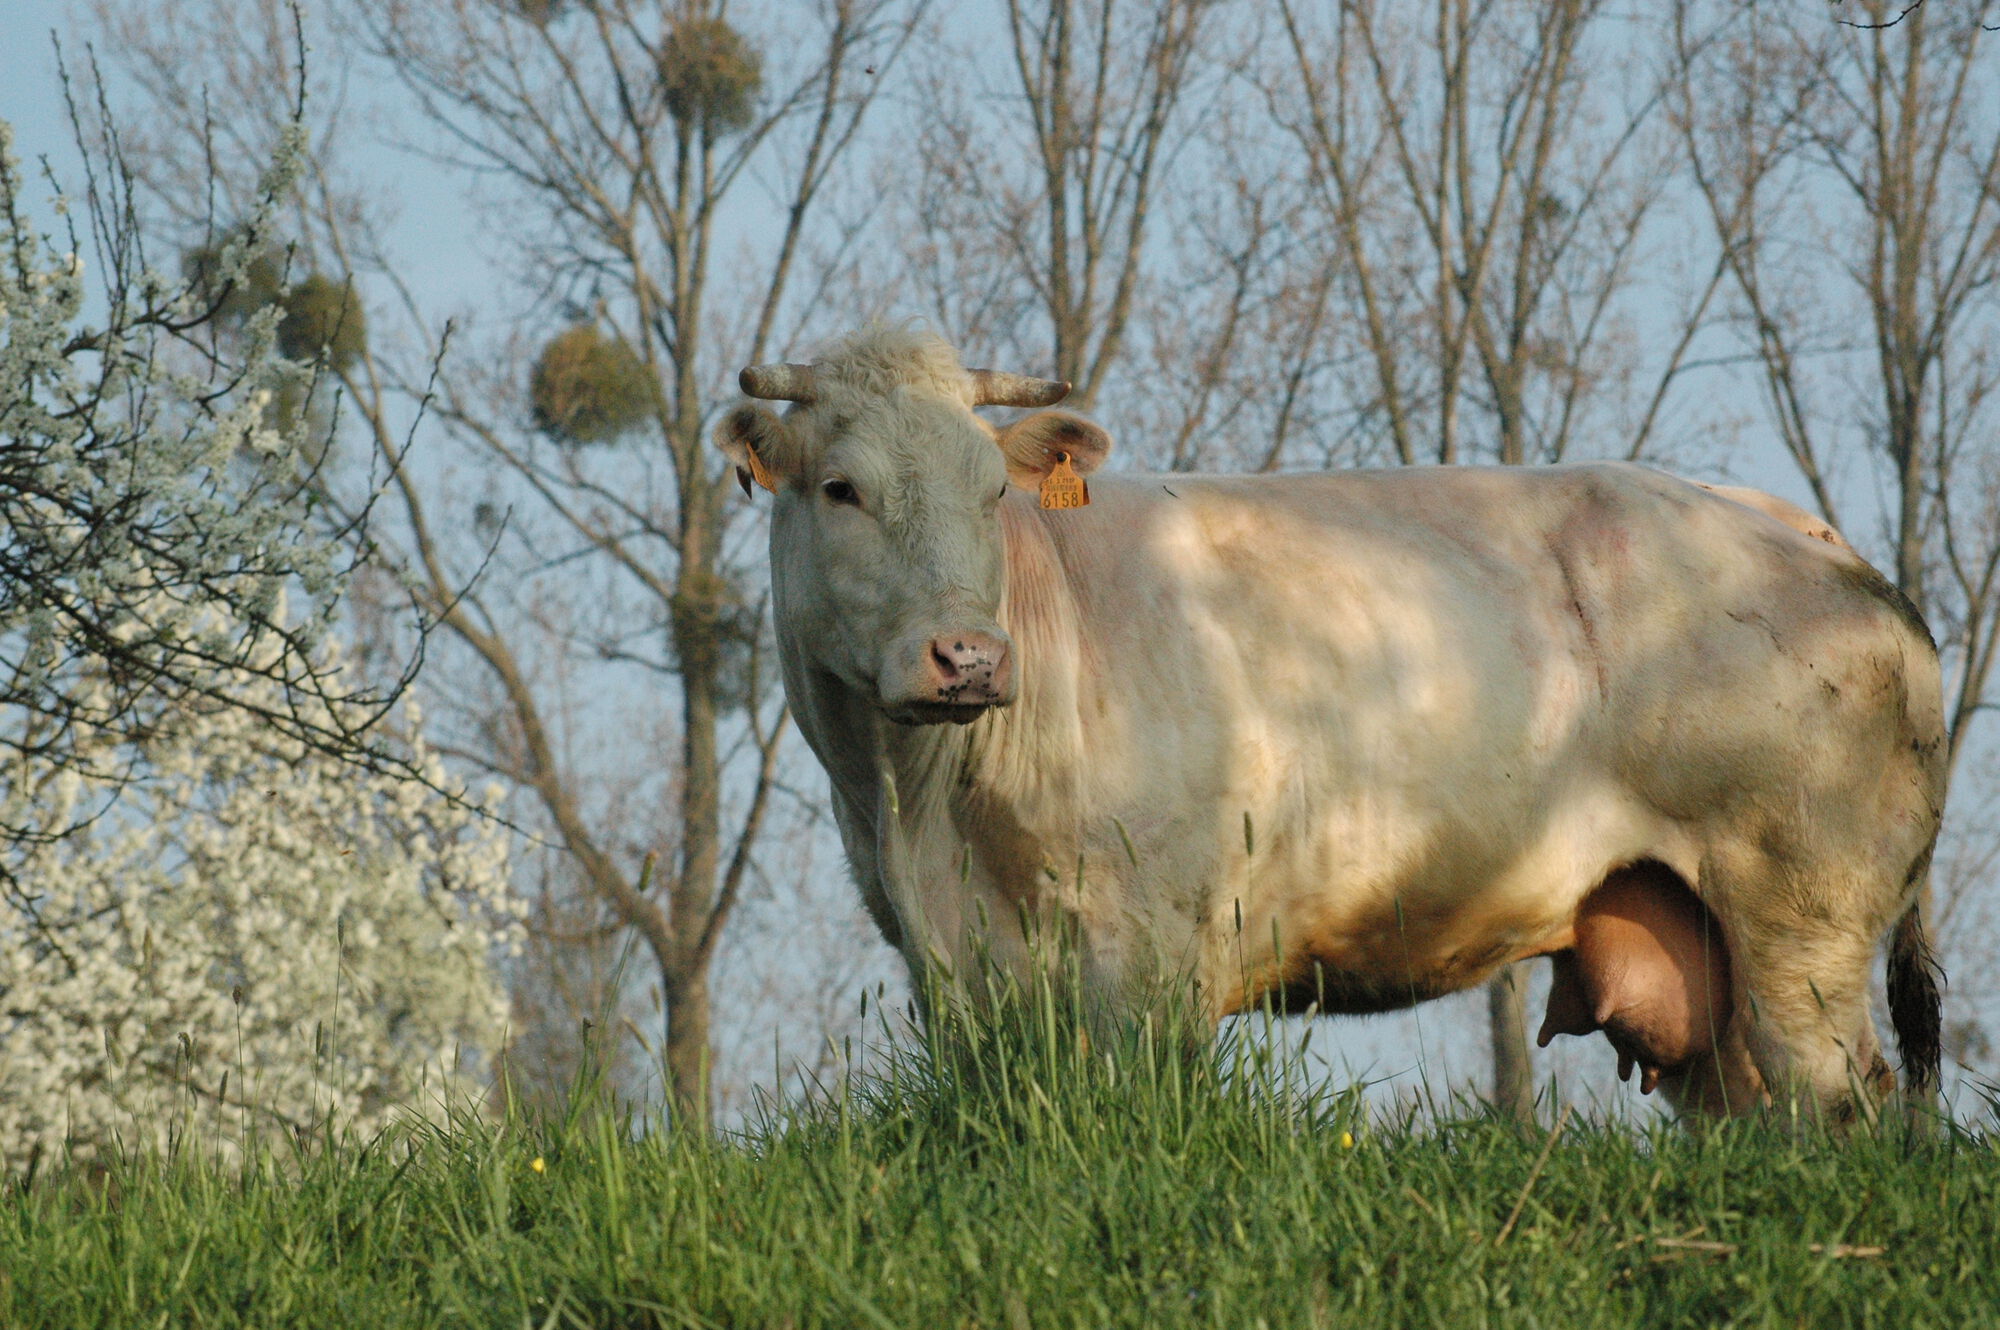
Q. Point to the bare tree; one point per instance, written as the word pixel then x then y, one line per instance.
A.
pixel 1487 190
pixel 659 167
pixel 1851 172
pixel 1036 195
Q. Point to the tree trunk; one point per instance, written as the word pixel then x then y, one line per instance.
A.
pixel 1513 1072
pixel 687 1052
pixel 696 624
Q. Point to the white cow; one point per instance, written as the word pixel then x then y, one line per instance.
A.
pixel 1468 715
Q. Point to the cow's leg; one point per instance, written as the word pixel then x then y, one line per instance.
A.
pixel 1805 1018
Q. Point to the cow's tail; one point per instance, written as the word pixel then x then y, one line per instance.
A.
pixel 1915 1009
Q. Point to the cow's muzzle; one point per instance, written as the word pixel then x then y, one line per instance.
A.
pixel 962 676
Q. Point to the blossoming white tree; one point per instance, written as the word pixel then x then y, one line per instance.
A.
pixel 254 935
pixel 152 521
pixel 232 898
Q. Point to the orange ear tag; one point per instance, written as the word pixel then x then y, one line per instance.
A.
pixel 759 472
pixel 1063 487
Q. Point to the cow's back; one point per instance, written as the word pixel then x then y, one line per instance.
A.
pixel 1587 591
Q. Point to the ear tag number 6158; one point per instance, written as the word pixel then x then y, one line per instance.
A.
pixel 1063 487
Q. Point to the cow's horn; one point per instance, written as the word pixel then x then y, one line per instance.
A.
pixel 777 383
pixel 995 387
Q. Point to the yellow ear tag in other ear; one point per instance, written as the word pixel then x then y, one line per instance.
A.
pixel 759 472
pixel 1063 487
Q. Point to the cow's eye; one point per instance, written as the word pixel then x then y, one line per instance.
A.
pixel 840 491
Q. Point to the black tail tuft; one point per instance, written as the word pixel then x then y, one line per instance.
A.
pixel 1914 1006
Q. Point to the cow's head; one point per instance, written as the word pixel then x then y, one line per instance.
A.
pixel 886 557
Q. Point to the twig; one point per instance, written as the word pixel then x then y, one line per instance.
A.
pixel 1548 1145
pixel 1703 1245
pixel 1902 14
pixel 1841 1250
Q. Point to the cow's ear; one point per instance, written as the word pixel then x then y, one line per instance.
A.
pixel 760 444
pixel 1033 444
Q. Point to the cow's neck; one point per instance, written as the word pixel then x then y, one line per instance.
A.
pixel 1005 785
pixel 1019 761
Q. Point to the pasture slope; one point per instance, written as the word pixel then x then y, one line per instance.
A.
pixel 1013 1181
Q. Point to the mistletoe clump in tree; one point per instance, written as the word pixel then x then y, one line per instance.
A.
pixel 590 388
pixel 321 321
pixel 710 76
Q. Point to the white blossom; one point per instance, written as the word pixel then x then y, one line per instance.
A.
pixel 152 517
pixel 254 938
pixel 227 904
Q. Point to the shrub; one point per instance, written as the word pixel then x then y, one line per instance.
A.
pixel 247 936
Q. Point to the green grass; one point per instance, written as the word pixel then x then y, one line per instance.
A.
pixel 1016 1179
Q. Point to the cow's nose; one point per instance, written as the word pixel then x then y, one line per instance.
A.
pixel 970 668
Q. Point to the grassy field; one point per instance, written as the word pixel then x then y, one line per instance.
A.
pixel 1019 1181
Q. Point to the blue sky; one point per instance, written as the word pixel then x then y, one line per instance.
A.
pixel 30 95
pixel 433 220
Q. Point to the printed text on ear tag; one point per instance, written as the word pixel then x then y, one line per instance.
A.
pixel 759 472
pixel 1063 487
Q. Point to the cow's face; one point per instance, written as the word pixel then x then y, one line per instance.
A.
pixel 887 561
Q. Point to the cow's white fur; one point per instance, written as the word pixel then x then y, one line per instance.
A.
pixel 1448 701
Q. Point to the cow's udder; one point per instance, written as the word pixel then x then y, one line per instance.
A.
pixel 1649 968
